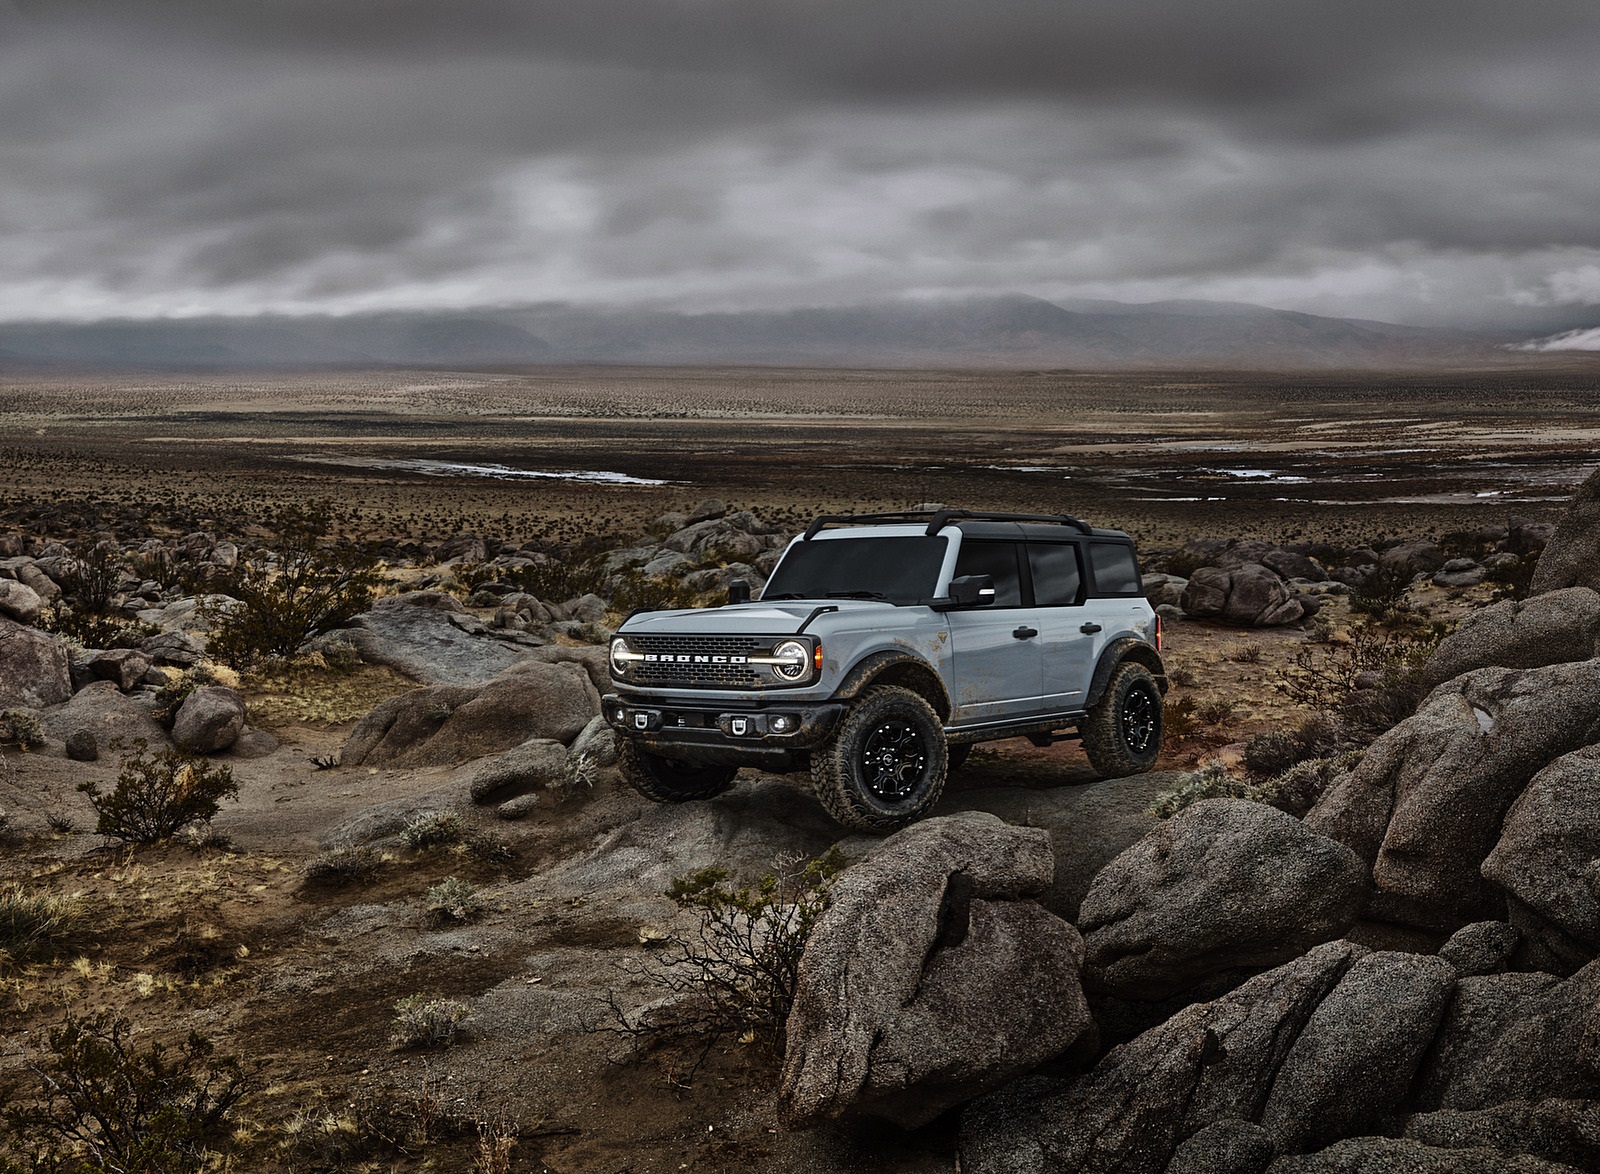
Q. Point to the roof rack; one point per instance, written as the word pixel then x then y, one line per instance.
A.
pixel 939 519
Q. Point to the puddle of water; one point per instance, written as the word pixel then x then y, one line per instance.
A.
pixel 506 473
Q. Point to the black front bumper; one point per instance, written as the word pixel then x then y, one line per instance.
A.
pixel 775 737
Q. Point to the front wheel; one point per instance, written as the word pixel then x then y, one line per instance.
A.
pixel 667 780
pixel 885 764
pixel 1122 733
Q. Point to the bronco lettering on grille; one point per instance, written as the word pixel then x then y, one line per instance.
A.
pixel 685 658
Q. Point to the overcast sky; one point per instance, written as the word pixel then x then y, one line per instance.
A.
pixel 1411 160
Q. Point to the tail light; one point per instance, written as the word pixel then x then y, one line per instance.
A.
pixel 1158 633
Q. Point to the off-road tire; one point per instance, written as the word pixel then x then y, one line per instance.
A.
pixel 885 764
pixel 665 780
pixel 1122 732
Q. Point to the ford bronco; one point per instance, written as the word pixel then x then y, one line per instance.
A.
pixel 883 647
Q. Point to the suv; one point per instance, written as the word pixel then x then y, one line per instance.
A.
pixel 885 646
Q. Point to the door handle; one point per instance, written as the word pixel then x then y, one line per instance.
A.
pixel 1089 629
pixel 1024 633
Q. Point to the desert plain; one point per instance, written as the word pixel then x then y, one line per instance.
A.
pixel 300 977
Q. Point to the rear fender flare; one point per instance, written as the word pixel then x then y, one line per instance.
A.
pixel 1122 649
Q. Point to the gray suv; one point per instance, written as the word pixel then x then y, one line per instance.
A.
pixel 884 647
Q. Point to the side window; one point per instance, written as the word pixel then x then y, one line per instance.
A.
pixel 1115 572
pixel 1056 578
pixel 999 561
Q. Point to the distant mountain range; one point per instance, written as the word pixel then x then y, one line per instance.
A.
pixel 980 332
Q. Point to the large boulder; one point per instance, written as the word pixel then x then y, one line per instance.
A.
pixel 1546 863
pixel 536 765
pixel 1571 558
pixel 1556 1130
pixel 424 635
pixel 452 723
pixel 1355 1062
pixel 1209 1063
pixel 1425 804
pixel 1521 634
pixel 1250 595
pixel 19 602
pixel 111 717
pixel 1400 1155
pixel 34 668
pixel 932 977
pixel 1519 1036
pixel 210 719
pixel 1223 888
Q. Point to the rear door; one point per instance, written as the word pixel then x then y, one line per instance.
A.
pixel 1069 645
pixel 997 661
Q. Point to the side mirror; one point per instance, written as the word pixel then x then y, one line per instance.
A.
pixel 972 590
pixel 739 591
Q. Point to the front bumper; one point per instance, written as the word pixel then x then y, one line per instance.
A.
pixel 775 736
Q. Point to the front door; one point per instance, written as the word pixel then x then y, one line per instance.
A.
pixel 997 660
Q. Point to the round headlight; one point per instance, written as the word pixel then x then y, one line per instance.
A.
pixel 794 660
pixel 619 648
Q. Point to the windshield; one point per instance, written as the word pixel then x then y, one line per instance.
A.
pixel 899 570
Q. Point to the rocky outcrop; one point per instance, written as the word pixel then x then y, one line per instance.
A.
pixel 1556 1130
pixel 1425 804
pixel 1354 1063
pixel 1545 862
pixel 1389 1155
pixel 210 719
pixel 34 669
pixel 1210 1063
pixel 1548 629
pixel 1223 888
pixel 449 723
pixel 1518 1036
pixel 895 1012
pixel 428 636
pixel 1250 595
pixel 1571 558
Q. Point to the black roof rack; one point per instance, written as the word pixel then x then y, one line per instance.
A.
pixel 939 519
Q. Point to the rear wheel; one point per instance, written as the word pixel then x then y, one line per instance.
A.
pixel 1122 733
pixel 885 764
pixel 666 780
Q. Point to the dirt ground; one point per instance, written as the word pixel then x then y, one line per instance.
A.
pixel 232 938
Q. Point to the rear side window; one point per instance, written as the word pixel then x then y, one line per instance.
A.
pixel 1057 581
pixel 997 560
pixel 1115 572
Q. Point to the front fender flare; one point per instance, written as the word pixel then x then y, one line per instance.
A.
pixel 891 667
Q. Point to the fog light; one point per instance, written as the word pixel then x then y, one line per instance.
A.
pixel 780 724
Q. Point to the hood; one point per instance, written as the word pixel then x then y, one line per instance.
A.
pixel 741 619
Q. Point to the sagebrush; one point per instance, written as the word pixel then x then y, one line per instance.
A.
pixel 308 584
pixel 158 794
pixel 104 1105
pixel 736 973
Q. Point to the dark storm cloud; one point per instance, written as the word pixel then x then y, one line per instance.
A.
pixel 1423 160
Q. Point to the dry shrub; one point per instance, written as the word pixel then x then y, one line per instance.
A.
pixel 423 1022
pixel 159 794
pixel 452 900
pixel 104 1106
pixel 32 921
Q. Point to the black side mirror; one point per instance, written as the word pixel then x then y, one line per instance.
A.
pixel 738 591
pixel 972 590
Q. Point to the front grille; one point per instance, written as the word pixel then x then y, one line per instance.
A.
pixel 720 676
